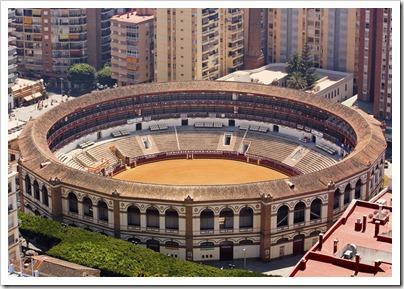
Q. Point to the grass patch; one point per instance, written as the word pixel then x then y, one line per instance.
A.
pixel 114 257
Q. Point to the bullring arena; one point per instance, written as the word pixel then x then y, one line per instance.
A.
pixel 201 170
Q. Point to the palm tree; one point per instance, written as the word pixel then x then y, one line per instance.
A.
pixel 296 80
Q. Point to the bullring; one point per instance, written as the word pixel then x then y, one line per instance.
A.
pixel 330 153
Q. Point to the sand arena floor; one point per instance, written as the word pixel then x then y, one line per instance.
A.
pixel 199 172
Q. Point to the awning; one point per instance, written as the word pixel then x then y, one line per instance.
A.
pixel 36 95
pixel 28 98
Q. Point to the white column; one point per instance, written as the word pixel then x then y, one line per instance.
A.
pixel 143 220
pixel 124 220
pixel 95 213
pixel 111 218
pixel 216 224
pixel 290 219
pixel 341 201
pixel 352 194
pixel 80 208
pixel 181 225
pixel 273 223
pixel 324 212
pixel 65 206
pixel 196 225
pixel 162 222
pixel 363 191
pixel 307 215
pixel 236 223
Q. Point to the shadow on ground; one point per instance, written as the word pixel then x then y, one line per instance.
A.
pixel 282 266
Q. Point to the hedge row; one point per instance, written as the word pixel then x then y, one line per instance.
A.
pixel 114 257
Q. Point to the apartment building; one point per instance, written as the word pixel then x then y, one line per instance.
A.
pixel 13 233
pixel 330 33
pixel 132 59
pixel 375 60
pixel 99 36
pixel 50 40
pixel 187 44
pixel 12 58
pixel 231 39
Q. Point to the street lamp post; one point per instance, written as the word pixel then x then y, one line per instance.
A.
pixel 61 86
pixel 245 261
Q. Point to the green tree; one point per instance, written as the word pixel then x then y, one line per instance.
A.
pixel 296 80
pixel 294 64
pixel 82 77
pixel 104 76
pixel 307 66
pixel 301 70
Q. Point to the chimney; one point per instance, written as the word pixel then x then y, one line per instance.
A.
pixel 320 241
pixel 303 264
pixel 377 227
pixel 335 245
pixel 357 259
pixel 364 223
pixel 358 224
pixel 127 15
pixel 377 264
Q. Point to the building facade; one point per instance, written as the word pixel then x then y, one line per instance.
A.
pixel 49 41
pixel 198 44
pixel 132 58
pixel 375 60
pixel 13 233
pixel 231 39
pixel 12 58
pixel 330 33
pixel 99 36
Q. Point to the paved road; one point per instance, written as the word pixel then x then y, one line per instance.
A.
pixel 281 266
pixel 26 112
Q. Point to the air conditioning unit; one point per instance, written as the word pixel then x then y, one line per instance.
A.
pixel 348 254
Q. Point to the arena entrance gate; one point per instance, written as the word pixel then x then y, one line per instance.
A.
pixel 154 245
pixel 298 244
pixel 226 250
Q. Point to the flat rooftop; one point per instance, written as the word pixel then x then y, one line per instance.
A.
pixel 132 17
pixel 337 254
pixel 277 71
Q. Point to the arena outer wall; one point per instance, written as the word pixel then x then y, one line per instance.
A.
pixel 46 183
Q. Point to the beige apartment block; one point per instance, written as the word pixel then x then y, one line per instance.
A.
pixel 231 39
pixel 187 44
pixel 132 47
pixel 330 33
pixel 13 233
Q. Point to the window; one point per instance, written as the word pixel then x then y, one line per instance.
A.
pixel 337 193
pixel 102 211
pixel 246 218
pixel 45 197
pixel 207 220
pixel 87 207
pixel 152 218
pixel 298 215
pixel 226 219
pixel 28 188
pixel 347 193
pixel 72 199
pixel 282 216
pixel 36 191
pixel 133 216
pixel 171 219
pixel 315 210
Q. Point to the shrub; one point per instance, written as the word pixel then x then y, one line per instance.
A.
pixel 114 257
